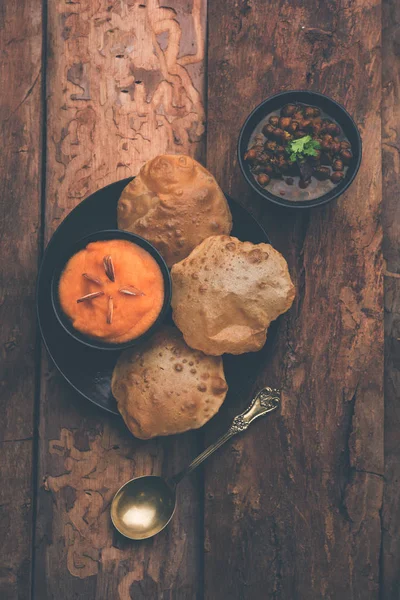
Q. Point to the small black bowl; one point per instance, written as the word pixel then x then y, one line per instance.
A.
pixel 333 109
pixel 109 234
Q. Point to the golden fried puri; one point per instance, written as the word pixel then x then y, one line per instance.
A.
pixel 226 293
pixel 164 387
pixel 175 204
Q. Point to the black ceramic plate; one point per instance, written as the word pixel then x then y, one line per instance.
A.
pixel 89 371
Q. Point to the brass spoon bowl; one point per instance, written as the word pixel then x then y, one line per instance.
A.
pixel 143 506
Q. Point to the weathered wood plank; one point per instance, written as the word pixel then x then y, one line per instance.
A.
pixel 20 159
pixel 125 83
pixel 20 122
pixel 293 507
pixel 390 575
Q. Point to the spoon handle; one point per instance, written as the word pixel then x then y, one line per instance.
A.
pixel 266 400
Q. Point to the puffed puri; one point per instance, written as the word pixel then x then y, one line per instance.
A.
pixel 163 387
pixel 174 203
pixel 226 293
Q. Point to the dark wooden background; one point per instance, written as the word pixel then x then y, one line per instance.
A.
pixel 305 505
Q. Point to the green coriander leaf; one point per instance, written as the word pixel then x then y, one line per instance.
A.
pixel 314 144
pixel 301 148
pixel 310 151
pixel 298 145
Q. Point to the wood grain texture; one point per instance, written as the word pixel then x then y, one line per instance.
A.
pixel 20 159
pixel 125 82
pixel 293 507
pixel 391 248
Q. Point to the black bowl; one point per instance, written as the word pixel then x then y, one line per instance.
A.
pixel 332 108
pixel 109 234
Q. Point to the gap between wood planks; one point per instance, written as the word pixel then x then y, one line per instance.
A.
pixel 39 345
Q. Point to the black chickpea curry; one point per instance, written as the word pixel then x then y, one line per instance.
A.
pixel 298 153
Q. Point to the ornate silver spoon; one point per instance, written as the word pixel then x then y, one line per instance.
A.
pixel 143 506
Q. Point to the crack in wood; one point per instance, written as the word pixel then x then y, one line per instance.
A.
pixel 26 96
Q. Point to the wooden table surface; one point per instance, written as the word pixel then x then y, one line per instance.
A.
pixel 306 506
